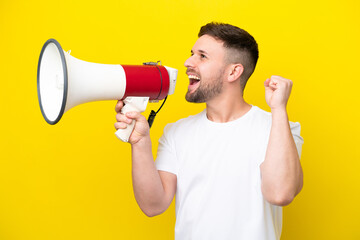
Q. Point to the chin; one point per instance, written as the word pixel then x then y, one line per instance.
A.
pixel 195 98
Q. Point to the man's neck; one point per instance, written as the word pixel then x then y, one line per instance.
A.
pixel 226 108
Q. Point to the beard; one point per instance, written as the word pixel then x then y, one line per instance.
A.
pixel 206 91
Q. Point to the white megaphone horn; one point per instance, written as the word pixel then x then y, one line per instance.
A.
pixel 64 81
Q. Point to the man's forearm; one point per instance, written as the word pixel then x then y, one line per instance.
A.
pixel 281 171
pixel 148 188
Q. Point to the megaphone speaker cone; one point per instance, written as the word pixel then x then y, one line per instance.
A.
pixel 52 81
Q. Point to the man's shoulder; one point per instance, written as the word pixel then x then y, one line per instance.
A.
pixel 260 116
pixel 264 119
pixel 184 123
pixel 261 112
pixel 189 119
pixel 267 116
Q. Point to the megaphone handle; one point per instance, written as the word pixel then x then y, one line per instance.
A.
pixel 132 104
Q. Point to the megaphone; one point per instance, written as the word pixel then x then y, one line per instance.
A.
pixel 64 81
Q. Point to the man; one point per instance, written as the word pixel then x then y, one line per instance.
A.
pixel 231 166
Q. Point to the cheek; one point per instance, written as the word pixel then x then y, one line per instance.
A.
pixel 209 71
pixel 206 70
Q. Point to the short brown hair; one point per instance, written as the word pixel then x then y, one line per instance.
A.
pixel 235 38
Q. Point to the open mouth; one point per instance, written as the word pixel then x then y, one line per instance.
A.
pixel 193 79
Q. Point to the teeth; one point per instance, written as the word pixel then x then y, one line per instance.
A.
pixel 194 77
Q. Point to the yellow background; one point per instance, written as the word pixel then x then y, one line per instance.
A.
pixel 73 180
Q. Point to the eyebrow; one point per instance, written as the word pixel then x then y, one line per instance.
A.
pixel 201 51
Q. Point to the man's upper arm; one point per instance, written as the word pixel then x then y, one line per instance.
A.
pixel 169 182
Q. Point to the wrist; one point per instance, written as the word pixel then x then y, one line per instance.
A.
pixel 142 142
pixel 279 112
pixel 278 109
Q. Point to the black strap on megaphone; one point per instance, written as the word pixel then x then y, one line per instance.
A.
pixel 152 114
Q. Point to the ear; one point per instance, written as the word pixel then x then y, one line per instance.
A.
pixel 236 71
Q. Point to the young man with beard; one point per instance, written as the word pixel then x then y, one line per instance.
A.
pixel 232 166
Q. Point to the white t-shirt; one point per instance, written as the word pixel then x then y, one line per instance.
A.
pixel 217 166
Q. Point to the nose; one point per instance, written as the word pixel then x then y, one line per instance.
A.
pixel 189 63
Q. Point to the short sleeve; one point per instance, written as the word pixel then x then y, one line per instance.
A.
pixel 166 156
pixel 295 130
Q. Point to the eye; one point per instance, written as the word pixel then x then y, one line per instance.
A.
pixel 202 56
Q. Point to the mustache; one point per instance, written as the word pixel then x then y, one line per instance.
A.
pixel 191 71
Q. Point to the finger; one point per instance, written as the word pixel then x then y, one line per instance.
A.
pixel 266 83
pixel 120 125
pixel 135 115
pixel 281 79
pixel 273 83
pixel 119 105
pixel 278 78
pixel 122 118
